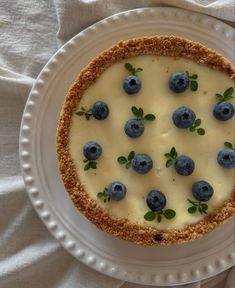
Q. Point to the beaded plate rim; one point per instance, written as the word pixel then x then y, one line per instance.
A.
pixel 27 157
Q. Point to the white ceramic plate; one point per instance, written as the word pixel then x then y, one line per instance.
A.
pixel 155 265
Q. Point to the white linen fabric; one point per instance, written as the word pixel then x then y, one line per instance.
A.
pixel 30 32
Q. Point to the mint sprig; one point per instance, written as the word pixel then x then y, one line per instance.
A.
pixel 193 81
pixel 131 69
pixel 227 95
pixel 84 112
pixel 171 157
pixel 197 206
pixel 126 161
pixel 139 114
pixel 104 195
pixel 194 127
pixel 229 145
pixel 90 164
pixel 151 215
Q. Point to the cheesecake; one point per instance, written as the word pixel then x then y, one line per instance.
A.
pixel 145 140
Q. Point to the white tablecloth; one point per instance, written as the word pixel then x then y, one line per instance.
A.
pixel 30 32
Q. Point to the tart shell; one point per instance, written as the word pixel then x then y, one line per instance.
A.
pixel 123 228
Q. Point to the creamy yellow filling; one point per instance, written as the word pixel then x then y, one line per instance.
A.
pixel 159 136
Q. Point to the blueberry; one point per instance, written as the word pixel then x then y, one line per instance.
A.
pixel 142 163
pixel 132 84
pixel 223 111
pixel 134 128
pixel 92 150
pixel 183 117
pixel 226 158
pixel 117 191
pixel 156 200
pixel 184 165
pixel 100 110
pixel 202 191
pixel 179 82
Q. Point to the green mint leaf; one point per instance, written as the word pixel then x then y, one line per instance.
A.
pixel 172 156
pixel 80 113
pixel 169 213
pixel 173 152
pixel 204 207
pixel 87 166
pixel 194 76
pixel 187 73
pixel 169 163
pixel 149 117
pixel 193 85
pixel 85 160
pixel 192 129
pixel 128 165
pixel 103 195
pixel 141 113
pixel 228 92
pixel 159 218
pixel 122 160
pixel 201 131
pixel 93 164
pixel 228 145
pixel 192 209
pixel 138 70
pixel 100 195
pixel 129 67
pixel 131 155
pixel 87 115
pixel 135 111
pixel 197 122
pixel 228 98
pixel 150 216
pixel 200 209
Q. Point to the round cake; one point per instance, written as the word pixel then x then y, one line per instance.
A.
pixel 145 140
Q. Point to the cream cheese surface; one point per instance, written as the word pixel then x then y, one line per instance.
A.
pixel 159 136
